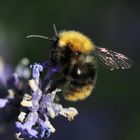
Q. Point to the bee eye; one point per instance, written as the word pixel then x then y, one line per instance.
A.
pixel 54 39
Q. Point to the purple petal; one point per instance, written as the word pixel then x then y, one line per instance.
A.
pixel 3 102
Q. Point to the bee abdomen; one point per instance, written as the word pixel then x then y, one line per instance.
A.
pixel 83 79
pixel 79 93
pixel 83 74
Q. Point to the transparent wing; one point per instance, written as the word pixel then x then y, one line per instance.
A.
pixel 111 59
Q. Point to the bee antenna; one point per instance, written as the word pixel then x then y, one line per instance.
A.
pixel 55 30
pixel 38 36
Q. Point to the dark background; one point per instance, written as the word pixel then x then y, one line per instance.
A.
pixel 112 112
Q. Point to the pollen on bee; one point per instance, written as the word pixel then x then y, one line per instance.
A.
pixel 78 71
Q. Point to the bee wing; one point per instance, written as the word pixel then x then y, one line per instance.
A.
pixel 111 59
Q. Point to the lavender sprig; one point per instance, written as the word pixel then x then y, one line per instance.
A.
pixel 41 107
pixel 35 103
pixel 14 86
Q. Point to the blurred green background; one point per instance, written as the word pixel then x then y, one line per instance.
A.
pixel 113 111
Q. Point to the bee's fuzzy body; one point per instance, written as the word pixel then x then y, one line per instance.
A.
pixel 78 67
pixel 76 57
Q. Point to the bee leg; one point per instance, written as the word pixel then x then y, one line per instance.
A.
pixel 49 75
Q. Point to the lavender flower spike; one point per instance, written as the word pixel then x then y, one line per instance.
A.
pixel 32 117
pixel 41 106
pixel 36 69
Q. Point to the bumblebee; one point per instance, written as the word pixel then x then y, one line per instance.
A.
pixel 77 58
